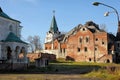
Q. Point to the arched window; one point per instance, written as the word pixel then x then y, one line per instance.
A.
pixel 80 40
pixel 9 51
pixel 96 39
pixel 78 49
pixel 87 39
pixel 17 51
pixel 11 28
pixel 22 53
pixel 85 49
pixel 83 29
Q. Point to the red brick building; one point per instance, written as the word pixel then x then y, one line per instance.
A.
pixel 83 43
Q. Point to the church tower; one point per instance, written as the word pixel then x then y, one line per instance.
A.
pixel 53 36
pixel 53 32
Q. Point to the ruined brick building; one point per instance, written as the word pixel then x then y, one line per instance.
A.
pixel 83 43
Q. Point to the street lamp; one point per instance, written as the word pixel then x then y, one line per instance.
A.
pixel 106 14
pixel 98 3
pixel 118 32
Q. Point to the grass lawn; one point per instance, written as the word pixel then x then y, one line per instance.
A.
pixel 67 71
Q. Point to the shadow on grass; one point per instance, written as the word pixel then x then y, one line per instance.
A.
pixel 73 69
pixel 56 68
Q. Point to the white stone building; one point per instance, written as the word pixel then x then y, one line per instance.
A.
pixel 12 48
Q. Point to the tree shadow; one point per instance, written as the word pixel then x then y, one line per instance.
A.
pixel 73 69
pixel 56 68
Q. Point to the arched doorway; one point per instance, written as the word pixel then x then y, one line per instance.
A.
pixel 22 53
pixel 90 59
pixel 107 61
pixel 9 51
pixel 17 50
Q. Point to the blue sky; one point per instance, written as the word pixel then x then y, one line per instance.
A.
pixel 36 15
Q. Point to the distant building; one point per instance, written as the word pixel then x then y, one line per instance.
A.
pixel 83 43
pixel 12 49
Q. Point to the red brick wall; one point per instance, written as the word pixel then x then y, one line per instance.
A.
pixel 95 48
pixel 63 45
pixel 56 44
pixel 48 46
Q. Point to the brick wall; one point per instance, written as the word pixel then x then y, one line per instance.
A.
pixel 84 43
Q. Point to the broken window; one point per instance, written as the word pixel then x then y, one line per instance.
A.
pixel 83 29
pixel 96 39
pixel 85 49
pixel 95 49
pixel 103 43
pixel 80 40
pixel 87 39
pixel 78 49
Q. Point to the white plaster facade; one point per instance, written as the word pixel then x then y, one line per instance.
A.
pixel 12 48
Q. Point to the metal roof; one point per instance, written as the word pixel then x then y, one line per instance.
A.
pixel 13 38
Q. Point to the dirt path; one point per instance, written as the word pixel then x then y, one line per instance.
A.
pixel 43 77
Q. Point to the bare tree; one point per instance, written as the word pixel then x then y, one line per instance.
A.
pixel 35 43
pixel 30 40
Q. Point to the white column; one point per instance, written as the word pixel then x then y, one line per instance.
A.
pixel 13 55
pixel 25 56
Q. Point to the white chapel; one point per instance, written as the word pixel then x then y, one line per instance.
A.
pixel 12 48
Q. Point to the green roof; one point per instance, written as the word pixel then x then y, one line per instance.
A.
pixel 2 14
pixel 53 27
pixel 13 38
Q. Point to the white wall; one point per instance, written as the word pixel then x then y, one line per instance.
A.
pixel 4 28
pixel 0 52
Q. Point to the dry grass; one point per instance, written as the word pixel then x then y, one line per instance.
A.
pixel 104 75
pixel 69 71
pixel 43 77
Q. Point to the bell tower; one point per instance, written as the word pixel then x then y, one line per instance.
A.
pixel 53 32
